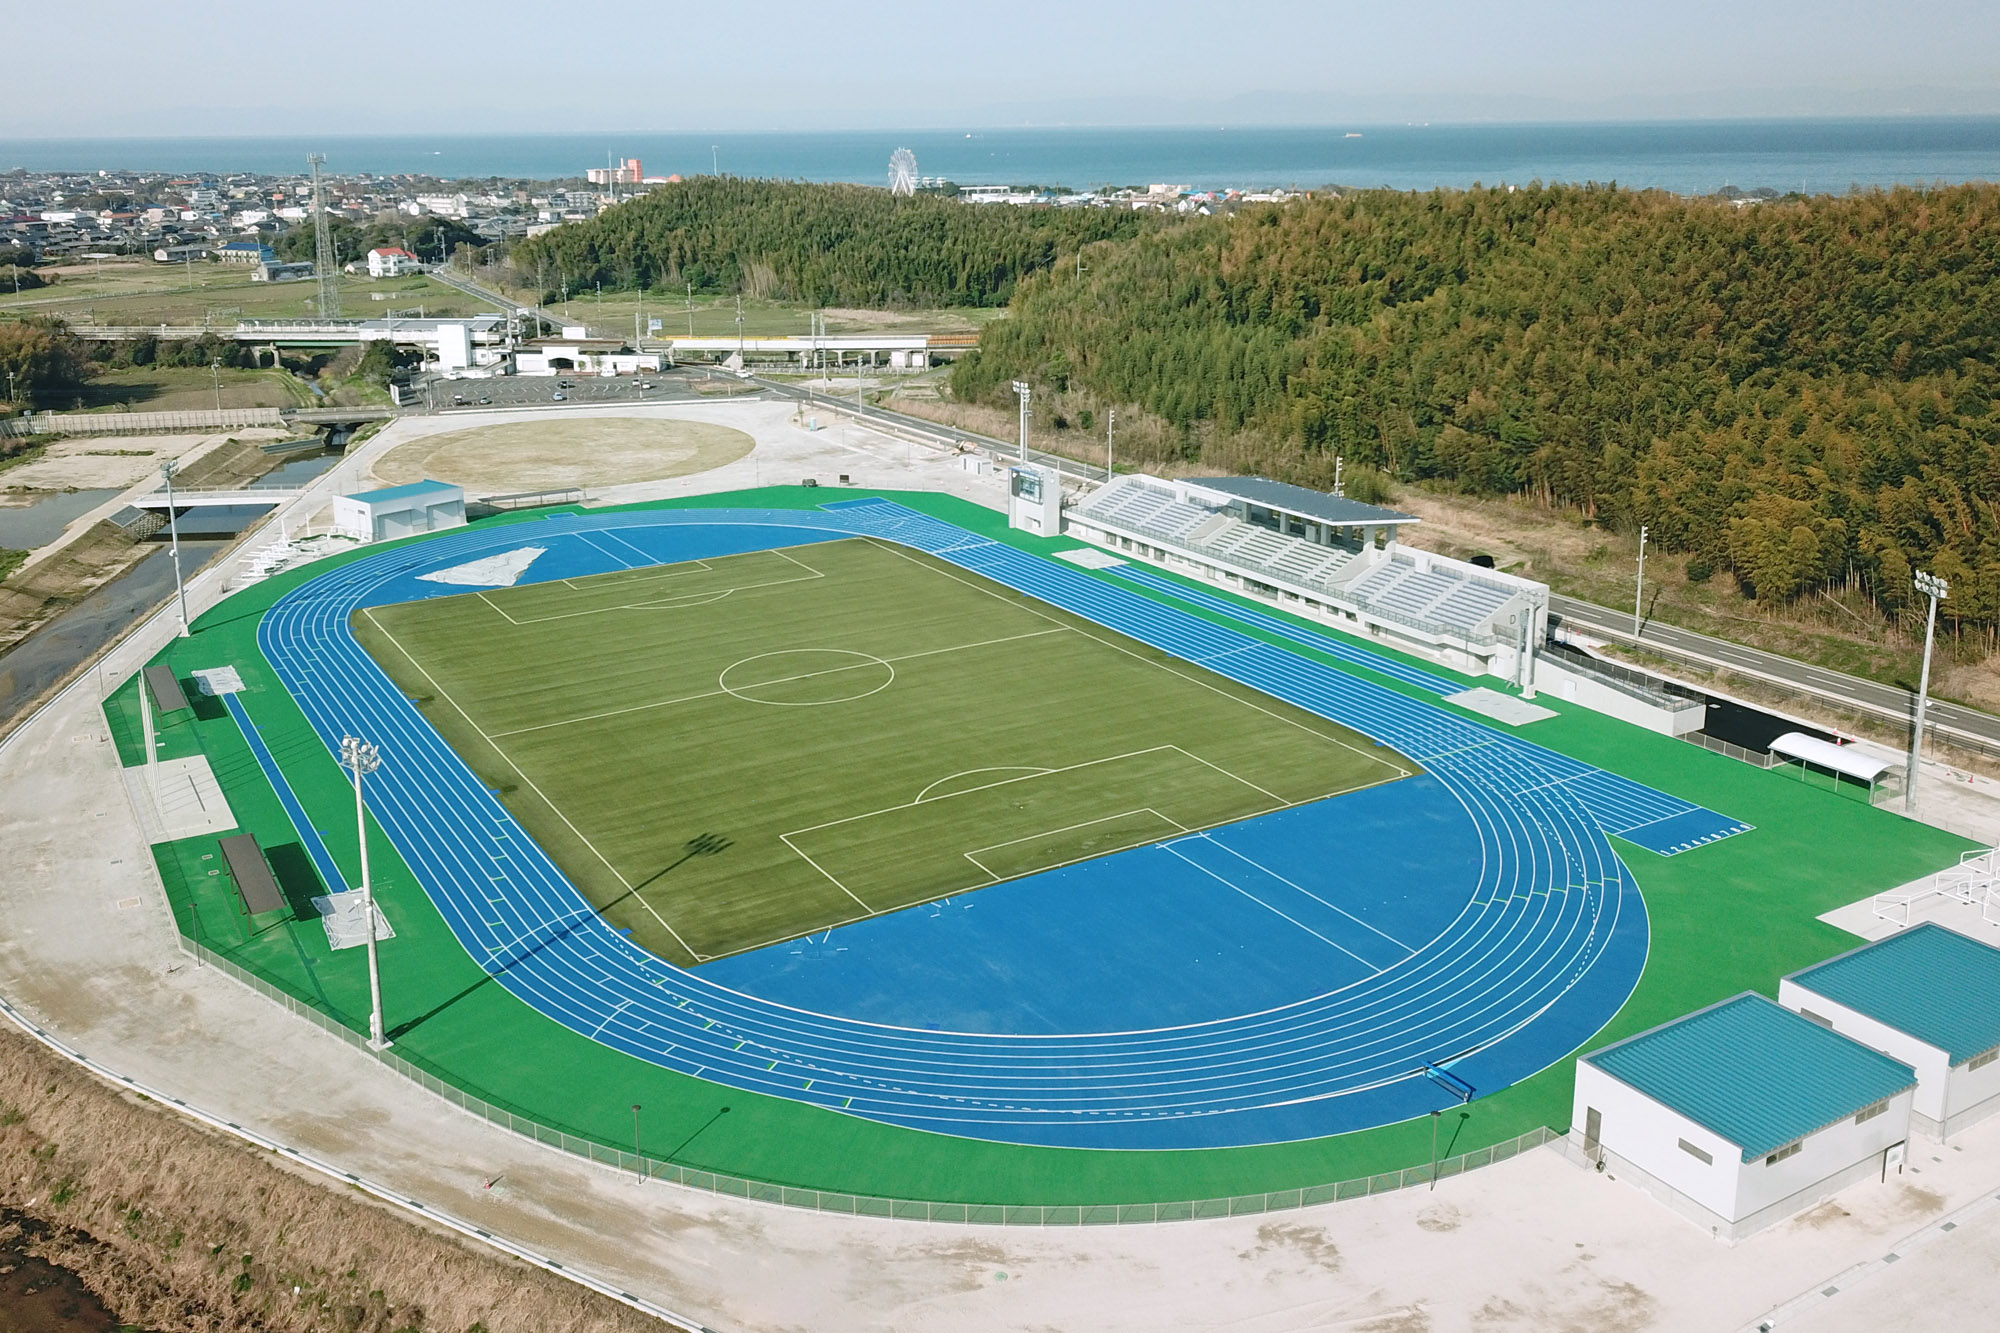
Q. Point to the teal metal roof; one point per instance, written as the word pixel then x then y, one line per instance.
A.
pixel 415 488
pixel 1935 984
pixel 1754 1072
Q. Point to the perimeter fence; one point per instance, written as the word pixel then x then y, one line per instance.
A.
pixel 867 1205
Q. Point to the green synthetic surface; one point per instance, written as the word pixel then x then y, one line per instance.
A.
pixel 731 753
pixel 1734 915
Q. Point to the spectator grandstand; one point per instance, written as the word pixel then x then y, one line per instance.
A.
pixel 1327 556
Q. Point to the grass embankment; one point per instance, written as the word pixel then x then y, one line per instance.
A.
pixel 174 1227
pixel 189 389
pixel 1732 916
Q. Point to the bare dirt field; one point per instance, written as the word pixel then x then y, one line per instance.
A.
pixel 547 454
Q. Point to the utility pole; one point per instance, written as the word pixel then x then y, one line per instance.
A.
pixel 1021 392
pixel 362 758
pixel 215 373
pixel 1937 589
pixel 324 263
pixel 1639 590
pixel 1110 429
pixel 174 538
pixel 690 287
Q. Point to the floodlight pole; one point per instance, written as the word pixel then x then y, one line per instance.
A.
pixel 363 758
pixel 1937 589
pixel 174 540
pixel 1110 430
pixel 1639 590
pixel 1021 392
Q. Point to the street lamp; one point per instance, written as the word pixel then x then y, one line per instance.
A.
pixel 1639 590
pixel 1021 392
pixel 1937 589
pixel 174 540
pixel 362 758
pixel 215 372
pixel 635 1143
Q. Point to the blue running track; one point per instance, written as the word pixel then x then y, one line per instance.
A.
pixel 1549 943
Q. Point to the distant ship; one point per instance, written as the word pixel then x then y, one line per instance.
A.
pixel 1350 135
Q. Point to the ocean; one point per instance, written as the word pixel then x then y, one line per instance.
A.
pixel 1689 157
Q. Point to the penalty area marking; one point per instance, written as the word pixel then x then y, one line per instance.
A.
pixel 973 855
pixel 1028 769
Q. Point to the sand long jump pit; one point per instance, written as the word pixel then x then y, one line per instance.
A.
pixel 563 452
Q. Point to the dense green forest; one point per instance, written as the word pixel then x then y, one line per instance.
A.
pixel 834 245
pixel 1800 392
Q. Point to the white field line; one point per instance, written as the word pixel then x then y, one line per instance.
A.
pixel 1251 860
pixel 786 838
pixel 539 793
pixel 780 680
pixel 973 855
pixel 1162 666
pixel 1027 770
pixel 673 571
pixel 652 604
pixel 1169 847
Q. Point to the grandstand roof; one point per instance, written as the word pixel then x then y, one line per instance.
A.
pixel 1933 983
pixel 1299 500
pixel 1754 1072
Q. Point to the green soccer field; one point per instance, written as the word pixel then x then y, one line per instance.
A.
pixel 730 753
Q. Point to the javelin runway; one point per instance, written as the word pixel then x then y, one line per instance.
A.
pixel 1549 944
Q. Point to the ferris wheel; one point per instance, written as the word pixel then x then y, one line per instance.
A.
pixel 902 172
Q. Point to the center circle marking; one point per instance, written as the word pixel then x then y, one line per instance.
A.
pixel 815 676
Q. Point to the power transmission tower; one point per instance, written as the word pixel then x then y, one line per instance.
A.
pixel 323 262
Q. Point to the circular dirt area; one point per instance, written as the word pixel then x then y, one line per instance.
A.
pixel 801 677
pixel 547 455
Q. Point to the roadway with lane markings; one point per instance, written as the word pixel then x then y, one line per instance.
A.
pixel 1897 703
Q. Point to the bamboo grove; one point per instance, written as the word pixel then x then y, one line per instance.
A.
pixel 1801 392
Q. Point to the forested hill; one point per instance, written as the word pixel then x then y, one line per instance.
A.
pixel 835 245
pixel 1800 391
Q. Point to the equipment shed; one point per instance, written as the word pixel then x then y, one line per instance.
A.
pixel 1743 1113
pixel 1929 997
pixel 400 511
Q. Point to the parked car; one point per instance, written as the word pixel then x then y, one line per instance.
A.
pixel 561 398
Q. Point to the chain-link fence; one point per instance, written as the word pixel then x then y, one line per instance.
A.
pixel 865 1205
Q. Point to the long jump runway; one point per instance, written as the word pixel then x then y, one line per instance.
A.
pixel 1549 943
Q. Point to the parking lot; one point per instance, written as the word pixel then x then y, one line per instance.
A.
pixel 539 390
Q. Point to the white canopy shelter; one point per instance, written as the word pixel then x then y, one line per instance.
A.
pixel 1847 760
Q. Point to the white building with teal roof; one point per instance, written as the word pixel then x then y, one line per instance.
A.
pixel 1741 1114
pixel 1927 996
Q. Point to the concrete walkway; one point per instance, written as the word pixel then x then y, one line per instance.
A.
pixel 89 949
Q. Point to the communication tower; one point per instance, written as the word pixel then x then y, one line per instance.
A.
pixel 323 262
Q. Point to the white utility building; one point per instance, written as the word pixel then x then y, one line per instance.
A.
pixel 1927 996
pixel 400 511
pixel 1741 1114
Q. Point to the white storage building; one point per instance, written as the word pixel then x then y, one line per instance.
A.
pixel 400 511
pixel 1742 1114
pixel 1927 996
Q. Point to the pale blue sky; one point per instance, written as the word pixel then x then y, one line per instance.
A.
pixel 135 68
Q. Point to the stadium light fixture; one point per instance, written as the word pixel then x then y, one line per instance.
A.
pixel 174 539
pixel 1639 589
pixel 361 758
pixel 1937 589
pixel 1021 391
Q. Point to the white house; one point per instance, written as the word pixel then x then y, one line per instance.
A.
pixel 391 262
pixel 400 511
pixel 1927 996
pixel 1741 1114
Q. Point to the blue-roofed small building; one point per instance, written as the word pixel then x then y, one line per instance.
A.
pixel 1742 1114
pixel 1927 996
pixel 400 511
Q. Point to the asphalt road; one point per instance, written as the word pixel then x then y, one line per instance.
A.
pixel 1891 701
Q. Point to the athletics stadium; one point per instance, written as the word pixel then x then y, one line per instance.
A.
pixel 897 864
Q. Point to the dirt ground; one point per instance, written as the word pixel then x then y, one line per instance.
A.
pixel 547 454
pixel 98 462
